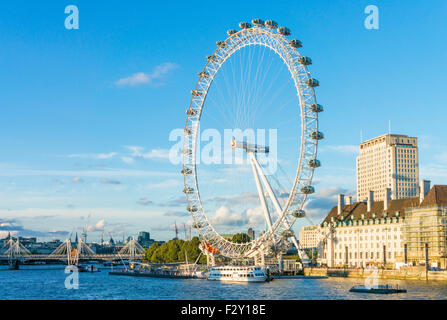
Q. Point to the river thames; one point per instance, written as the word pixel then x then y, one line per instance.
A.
pixel 48 282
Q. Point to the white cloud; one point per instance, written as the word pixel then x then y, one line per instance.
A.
pixel 144 202
pixel 109 181
pixel 139 78
pixel 137 152
pixel 106 155
pixel 128 160
pixel 77 180
pixel 345 149
pixel 157 154
pixel 93 155
pixel 99 226
pixel 114 172
pixel 133 80
pixel 256 216
pixel 225 217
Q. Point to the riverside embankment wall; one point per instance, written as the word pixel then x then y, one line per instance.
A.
pixel 409 273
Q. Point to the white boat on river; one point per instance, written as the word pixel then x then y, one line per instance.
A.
pixel 237 274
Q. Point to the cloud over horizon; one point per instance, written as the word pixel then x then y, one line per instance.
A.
pixel 140 78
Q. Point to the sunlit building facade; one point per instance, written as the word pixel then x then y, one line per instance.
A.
pixel 388 161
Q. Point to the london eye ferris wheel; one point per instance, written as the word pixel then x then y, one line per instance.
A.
pixel 260 80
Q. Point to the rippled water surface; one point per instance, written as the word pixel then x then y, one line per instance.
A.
pixel 47 282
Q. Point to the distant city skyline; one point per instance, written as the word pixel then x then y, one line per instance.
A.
pixel 86 114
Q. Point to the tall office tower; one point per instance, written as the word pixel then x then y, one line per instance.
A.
pixel 388 161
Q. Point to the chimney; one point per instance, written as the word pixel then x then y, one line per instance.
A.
pixel 341 203
pixel 386 202
pixel 370 200
pixel 424 188
pixel 348 200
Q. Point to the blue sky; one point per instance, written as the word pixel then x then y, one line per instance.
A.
pixel 79 146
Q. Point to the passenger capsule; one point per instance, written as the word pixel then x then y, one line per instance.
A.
pixel 197 225
pixel 192 208
pixel 188 190
pixel 221 44
pixel 287 234
pixel 196 93
pixel 187 151
pixel 311 82
pixel 307 190
pixel 186 171
pixel 294 43
pixel 314 163
pixel 271 24
pixel 212 58
pixel 305 61
pixel 298 213
pixel 191 112
pixel 316 107
pixel 203 74
pixel 258 22
pixel 231 32
pixel 187 131
pixel 284 31
pixel 316 135
pixel 244 25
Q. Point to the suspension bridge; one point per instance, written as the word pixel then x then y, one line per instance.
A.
pixel 71 253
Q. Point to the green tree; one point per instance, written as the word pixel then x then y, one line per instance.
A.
pixel 160 254
pixel 150 251
pixel 240 238
pixel 173 250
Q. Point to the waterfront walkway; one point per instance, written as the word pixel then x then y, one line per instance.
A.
pixel 404 273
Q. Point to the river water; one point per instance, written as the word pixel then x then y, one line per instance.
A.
pixel 48 282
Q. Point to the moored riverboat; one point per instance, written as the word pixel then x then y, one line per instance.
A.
pixel 237 274
pixel 378 289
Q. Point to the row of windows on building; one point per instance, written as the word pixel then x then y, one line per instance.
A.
pixel 366 245
pixel 366 255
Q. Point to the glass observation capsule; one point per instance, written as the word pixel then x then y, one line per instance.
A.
pixel 271 24
pixel 203 74
pixel 244 25
pixel 294 43
pixel 316 135
pixel 284 31
pixel 221 44
pixel 191 208
pixel 196 93
pixel 305 61
pixel 316 107
pixel 258 22
pixel 307 190
pixel 314 163
pixel 197 225
pixel 188 190
pixel 186 171
pixel 212 58
pixel 287 234
pixel 191 112
pixel 299 213
pixel 311 82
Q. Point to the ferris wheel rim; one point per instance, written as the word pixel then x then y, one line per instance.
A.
pixel 235 42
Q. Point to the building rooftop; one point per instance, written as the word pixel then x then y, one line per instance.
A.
pixel 436 196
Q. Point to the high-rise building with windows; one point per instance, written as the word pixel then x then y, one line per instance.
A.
pixel 389 161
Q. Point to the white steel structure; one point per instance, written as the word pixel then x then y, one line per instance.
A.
pixel 264 34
